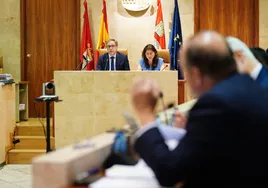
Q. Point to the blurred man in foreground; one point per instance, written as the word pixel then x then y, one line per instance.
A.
pixel 227 129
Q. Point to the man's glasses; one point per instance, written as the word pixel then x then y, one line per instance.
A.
pixel 111 46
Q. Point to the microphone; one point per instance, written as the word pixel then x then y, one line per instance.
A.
pixel 78 65
pixel 163 104
pixel 81 63
pixel 164 67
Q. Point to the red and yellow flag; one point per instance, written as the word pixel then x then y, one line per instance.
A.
pixel 159 33
pixel 86 53
pixel 103 32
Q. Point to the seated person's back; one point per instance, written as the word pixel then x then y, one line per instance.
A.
pixel 150 60
pixel 227 129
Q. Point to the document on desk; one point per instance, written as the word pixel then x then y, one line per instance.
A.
pixel 121 176
pixel 138 176
pixel 124 171
pixel 108 182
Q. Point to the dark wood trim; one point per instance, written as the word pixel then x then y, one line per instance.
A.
pixel 196 15
pixel 256 23
pixel 78 41
pixel 181 91
pixel 22 38
pixel 23 82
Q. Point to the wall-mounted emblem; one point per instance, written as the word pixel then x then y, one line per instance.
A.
pixel 136 5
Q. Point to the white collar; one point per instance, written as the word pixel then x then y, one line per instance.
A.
pixel 112 56
pixel 256 71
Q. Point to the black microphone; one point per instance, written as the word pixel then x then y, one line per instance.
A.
pixel 164 67
pixel 163 104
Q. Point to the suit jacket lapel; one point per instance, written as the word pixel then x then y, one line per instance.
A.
pixel 106 61
pixel 117 61
pixel 261 75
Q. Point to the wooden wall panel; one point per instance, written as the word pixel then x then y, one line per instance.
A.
pixel 50 41
pixel 239 18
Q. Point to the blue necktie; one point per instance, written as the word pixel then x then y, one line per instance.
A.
pixel 112 63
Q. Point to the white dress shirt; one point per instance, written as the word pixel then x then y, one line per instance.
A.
pixel 168 132
pixel 110 62
pixel 256 71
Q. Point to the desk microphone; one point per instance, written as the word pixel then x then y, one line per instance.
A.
pixel 164 110
pixel 81 64
pixel 78 65
pixel 164 67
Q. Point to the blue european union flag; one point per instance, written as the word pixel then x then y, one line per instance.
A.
pixel 175 41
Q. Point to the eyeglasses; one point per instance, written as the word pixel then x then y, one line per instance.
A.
pixel 111 46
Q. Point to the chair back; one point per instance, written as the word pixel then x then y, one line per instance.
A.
pixel 123 51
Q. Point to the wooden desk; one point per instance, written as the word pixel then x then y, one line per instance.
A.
pixel 7 117
pixel 93 102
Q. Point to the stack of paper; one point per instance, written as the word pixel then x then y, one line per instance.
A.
pixel 125 183
pixel 119 176
pixel 129 172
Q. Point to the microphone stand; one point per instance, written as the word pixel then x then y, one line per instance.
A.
pixel 164 110
pixel 164 67
pixel 78 65
pixel 47 100
pixel 85 65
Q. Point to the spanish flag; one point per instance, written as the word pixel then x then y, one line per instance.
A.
pixel 103 32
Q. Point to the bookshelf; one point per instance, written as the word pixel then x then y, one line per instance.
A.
pixel 22 101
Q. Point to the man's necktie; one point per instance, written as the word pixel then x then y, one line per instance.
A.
pixel 112 63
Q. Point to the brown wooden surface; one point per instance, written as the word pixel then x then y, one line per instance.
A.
pixel 239 18
pixel 23 82
pixel 181 91
pixel 50 32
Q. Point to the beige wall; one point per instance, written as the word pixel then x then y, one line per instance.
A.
pixel 263 23
pixel 10 36
pixel 135 31
pixel 132 32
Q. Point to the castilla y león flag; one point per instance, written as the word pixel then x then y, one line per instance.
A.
pixel 86 54
pixel 159 33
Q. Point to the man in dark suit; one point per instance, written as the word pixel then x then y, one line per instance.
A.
pixel 261 55
pixel 247 62
pixel 227 129
pixel 113 60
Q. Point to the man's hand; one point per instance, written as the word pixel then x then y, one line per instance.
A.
pixel 179 120
pixel 144 96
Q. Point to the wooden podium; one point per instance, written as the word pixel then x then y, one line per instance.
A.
pixel 7 118
pixel 93 101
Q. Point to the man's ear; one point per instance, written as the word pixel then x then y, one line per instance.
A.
pixel 197 75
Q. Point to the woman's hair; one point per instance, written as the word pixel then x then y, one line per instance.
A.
pixel 146 61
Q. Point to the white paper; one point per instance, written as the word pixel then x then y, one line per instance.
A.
pixel 123 171
pixel 108 182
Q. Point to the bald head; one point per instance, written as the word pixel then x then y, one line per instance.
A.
pixel 209 52
pixel 209 41
pixel 145 93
